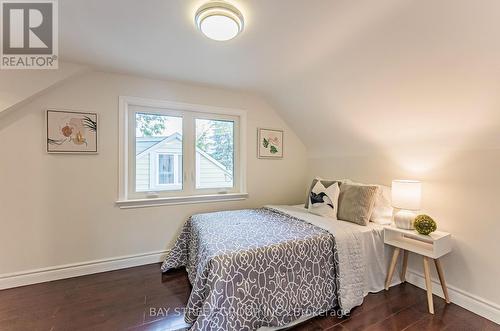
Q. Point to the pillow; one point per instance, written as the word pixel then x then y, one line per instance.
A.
pixel 323 201
pixel 382 220
pixel 326 184
pixel 356 202
pixel 382 210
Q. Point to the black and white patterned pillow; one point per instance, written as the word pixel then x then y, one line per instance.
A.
pixel 326 183
pixel 323 200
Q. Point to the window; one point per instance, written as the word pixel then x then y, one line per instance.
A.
pixel 214 153
pixel 169 171
pixel 158 149
pixel 178 153
pixel 166 169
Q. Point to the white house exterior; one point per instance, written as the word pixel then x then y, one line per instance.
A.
pixel 159 166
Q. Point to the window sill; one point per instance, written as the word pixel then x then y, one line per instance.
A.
pixel 142 203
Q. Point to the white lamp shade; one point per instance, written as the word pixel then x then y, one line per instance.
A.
pixel 406 194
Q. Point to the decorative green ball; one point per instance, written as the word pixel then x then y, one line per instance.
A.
pixel 424 224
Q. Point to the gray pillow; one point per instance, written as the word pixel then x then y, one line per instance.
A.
pixel 356 203
pixel 326 184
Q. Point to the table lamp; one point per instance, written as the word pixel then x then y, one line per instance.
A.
pixel 406 196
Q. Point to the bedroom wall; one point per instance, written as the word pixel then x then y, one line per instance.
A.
pixel 413 93
pixel 60 209
pixel 460 190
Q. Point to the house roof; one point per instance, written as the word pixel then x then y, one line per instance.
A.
pixel 143 143
pixel 146 144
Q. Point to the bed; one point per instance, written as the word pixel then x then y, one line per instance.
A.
pixel 271 267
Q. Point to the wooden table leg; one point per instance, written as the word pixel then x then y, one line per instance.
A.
pixel 392 267
pixel 428 284
pixel 441 279
pixel 405 266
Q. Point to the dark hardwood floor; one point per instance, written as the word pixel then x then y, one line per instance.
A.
pixel 131 299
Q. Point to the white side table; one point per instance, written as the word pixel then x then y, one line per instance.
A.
pixel 432 246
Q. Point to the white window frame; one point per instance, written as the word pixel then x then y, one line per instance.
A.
pixel 128 198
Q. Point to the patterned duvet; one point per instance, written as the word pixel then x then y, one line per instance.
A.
pixel 254 268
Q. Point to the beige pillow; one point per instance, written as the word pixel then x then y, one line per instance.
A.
pixel 356 202
pixel 382 208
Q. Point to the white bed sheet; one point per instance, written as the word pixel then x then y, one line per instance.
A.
pixel 377 255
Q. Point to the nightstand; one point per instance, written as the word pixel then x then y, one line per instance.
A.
pixel 429 247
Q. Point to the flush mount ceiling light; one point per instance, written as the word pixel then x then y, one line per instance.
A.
pixel 219 20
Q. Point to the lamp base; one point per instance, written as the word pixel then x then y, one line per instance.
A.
pixel 404 219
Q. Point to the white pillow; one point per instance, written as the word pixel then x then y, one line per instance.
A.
pixel 323 201
pixel 382 212
pixel 382 220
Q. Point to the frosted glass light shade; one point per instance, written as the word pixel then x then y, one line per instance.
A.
pixel 219 21
pixel 406 194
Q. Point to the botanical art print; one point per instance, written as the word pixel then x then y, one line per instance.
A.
pixel 270 143
pixel 71 132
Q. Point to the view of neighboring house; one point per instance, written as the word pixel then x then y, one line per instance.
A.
pixel 159 166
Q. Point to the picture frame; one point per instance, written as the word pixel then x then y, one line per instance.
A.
pixel 71 132
pixel 270 143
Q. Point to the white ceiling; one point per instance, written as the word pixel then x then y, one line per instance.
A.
pixel 159 38
pixel 348 76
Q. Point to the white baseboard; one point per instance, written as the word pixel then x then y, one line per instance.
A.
pixel 475 304
pixel 78 269
pixel 480 306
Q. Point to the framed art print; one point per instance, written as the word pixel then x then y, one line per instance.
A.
pixel 270 144
pixel 71 132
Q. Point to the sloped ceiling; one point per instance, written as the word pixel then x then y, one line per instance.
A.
pixel 348 76
pixel 20 86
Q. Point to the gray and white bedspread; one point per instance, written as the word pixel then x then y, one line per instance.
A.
pixel 263 267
